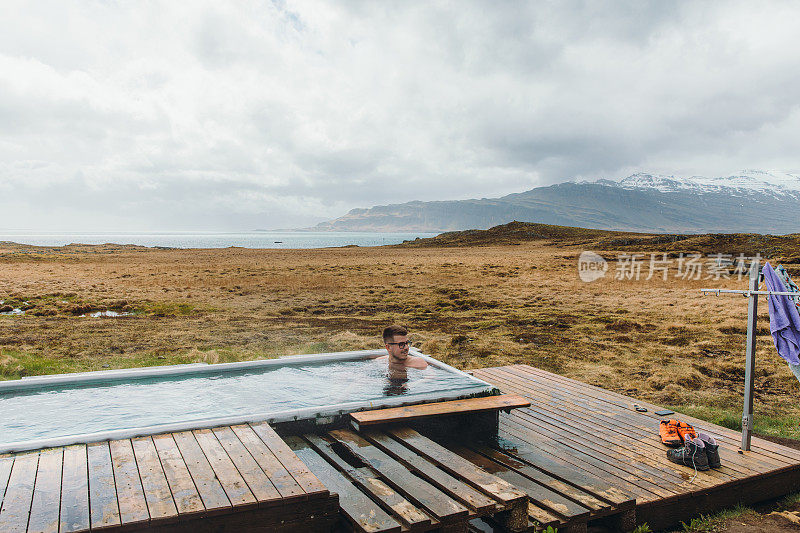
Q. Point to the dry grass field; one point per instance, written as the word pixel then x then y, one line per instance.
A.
pixel 520 301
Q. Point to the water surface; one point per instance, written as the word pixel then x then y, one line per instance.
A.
pixel 64 410
pixel 256 239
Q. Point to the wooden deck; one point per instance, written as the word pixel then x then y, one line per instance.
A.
pixel 237 478
pixel 390 477
pixel 398 480
pixel 578 454
pixel 583 435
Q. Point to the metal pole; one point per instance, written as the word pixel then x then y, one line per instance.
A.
pixel 750 365
pixel 748 293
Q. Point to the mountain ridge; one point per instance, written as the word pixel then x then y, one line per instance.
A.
pixel 749 202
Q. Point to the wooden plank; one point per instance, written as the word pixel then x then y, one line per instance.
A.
pixel 629 424
pixel 368 481
pixel 601 489
pixel 300 516
pixel 459 490
pixel 130 494
pixel 75 490
pixel 571 409
pixel 299 471
pixel 208 486
pixel 544 517
pixel 514 500
pixel 415 412
pixel 160 504
pixel 669 513
pixel 259 483
pixel 287 486
pixel 619 400
pixel 647 443
pixel 652 466
pixel 646 446
pixel 6 462
pixel 631 483
pixel 235 486
pixel 583 413
pixel 488 525
pixel 360 511
pixel 578 494
pixel 584 465
pixel 760 446
pixel 618 412
pixel 480 479
pixel 19 493
pixel 47 492
pixel 415 489
pixel 669 481
pixel 626 454
pixel 184 493
pixel 645 428
pixel 568 502
pixel 103 503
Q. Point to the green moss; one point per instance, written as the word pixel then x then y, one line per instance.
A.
pixel 16 364
pixel 713 523
pixel 789 500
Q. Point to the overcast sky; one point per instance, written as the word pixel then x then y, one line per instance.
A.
pixel 240 115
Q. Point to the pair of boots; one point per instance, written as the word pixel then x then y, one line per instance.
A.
pixel 701 452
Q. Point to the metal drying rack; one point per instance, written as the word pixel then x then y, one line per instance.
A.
pixel 752 316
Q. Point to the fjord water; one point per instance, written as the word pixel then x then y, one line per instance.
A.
pixel 64 410
pixel 255 239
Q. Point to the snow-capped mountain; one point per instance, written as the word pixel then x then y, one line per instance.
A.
pixel 751 201
pixel 748 180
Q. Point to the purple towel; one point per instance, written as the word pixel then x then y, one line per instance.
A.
pixel 784 320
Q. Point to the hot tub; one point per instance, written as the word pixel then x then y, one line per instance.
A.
pixel 46 411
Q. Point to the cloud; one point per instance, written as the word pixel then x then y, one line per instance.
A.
pixel 276 114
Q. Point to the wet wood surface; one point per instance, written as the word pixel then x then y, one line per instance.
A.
pixel 575 436
pixel 410 413
pixel 400 478
pixel 184 481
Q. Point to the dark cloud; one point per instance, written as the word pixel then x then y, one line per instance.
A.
pixel 276 114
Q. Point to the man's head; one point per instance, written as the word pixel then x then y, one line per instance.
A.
pixel 396 340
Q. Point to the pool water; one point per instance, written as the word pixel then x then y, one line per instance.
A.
pixel 61 410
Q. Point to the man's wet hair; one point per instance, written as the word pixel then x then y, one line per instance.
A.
pixel 389 332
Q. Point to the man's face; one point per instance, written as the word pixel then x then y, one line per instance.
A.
pixel 398 347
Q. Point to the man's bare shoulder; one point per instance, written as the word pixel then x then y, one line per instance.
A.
pixel 416 362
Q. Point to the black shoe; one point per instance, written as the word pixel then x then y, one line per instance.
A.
pixel 712 450
pixel 691 454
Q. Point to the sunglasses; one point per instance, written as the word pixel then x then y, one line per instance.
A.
pixel 400 344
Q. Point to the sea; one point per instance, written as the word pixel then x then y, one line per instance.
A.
pixel 255 239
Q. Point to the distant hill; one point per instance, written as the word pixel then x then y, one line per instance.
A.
pixel 785 247
pixel 750 202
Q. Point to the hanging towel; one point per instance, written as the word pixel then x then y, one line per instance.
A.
pixel 784 320
pixel 789 284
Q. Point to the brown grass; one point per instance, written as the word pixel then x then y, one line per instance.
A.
pixel 469 306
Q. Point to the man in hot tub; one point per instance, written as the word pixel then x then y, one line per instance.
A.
pixel 398 361
pixel 396 340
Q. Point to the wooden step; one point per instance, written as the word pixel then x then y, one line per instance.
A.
pixel 503 402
